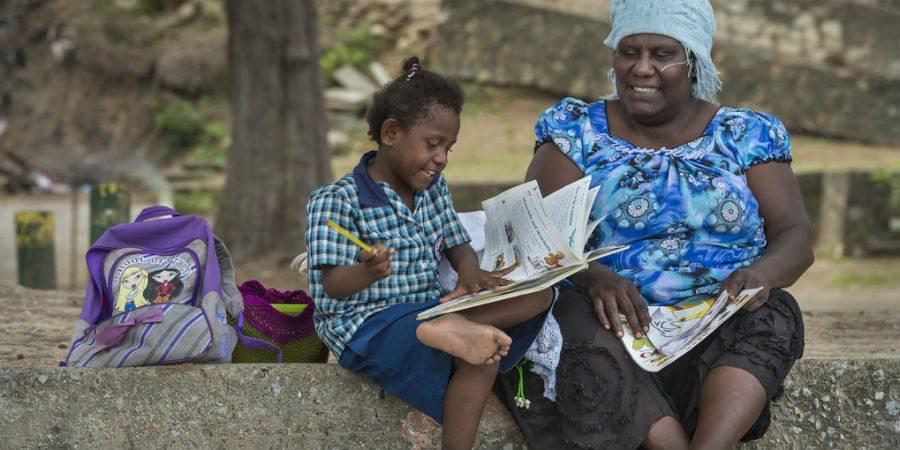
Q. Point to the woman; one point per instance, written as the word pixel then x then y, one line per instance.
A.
pixel 705 196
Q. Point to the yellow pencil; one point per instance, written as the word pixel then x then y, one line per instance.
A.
pixel 349 236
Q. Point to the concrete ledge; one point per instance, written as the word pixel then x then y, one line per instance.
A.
pixel 227 406
pixel 828 403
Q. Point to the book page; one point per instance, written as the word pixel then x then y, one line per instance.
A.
pixel 694 327
pixel 588 206
pixel 519 289
pixel 650 358
pixel 671 323
pixel 598 253
pixel 518 231
pixel 566 208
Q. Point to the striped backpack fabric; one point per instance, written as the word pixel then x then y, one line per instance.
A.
pixel 161 290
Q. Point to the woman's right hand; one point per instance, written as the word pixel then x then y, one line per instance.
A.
pixel 612 294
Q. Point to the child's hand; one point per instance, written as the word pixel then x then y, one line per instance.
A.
pixel 377 263
pixel 473 279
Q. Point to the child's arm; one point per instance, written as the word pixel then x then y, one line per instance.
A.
pixel 344 281
pixel 462 257
pixel 471 277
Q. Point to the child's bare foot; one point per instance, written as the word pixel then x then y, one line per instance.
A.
pixel 474 342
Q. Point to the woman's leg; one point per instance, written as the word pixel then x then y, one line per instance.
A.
pixel 604 399
pixel 464 403
pixel 731 400
pixel 666 433
pixel 514 311
pixel 722 388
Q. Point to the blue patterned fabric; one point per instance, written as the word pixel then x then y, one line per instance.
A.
pixel 373 212
pixel 687 212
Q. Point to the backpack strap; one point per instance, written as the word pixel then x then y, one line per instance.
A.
pixel 155 212
pixel 256 343
pixel 234 300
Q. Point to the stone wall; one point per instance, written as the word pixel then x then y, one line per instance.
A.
pixel 837 90
pixel 844 35
pixel 827 404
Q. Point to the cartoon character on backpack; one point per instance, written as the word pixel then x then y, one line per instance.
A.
pixel 131 289
pixel 164 285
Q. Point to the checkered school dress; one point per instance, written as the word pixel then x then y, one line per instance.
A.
pixel 375 213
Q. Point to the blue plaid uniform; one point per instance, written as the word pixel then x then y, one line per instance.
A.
pixel 375 213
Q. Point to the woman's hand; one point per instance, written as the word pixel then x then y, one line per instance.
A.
pixel 748 278
pixel 473 279
pixel 611 294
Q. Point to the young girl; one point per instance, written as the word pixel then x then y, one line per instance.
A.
pixel 131 288
pixel 366 302
pixel 164 285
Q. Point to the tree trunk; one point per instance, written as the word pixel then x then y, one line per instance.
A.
pixel 278 153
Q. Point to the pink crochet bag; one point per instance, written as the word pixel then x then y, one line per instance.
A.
pixel 271 315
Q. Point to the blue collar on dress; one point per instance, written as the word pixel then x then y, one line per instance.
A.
pixel 371 194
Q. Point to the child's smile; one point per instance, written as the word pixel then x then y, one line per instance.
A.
pixel 411 160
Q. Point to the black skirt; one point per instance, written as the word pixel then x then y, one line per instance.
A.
pixel 605 401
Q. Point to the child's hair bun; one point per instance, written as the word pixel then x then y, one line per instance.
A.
pixel 411 63
pixel 409 98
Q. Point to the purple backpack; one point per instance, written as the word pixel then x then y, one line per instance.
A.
pixel 160 292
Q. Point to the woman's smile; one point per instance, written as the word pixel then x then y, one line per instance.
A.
pixel 644 90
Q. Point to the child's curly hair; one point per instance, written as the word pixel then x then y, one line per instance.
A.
pixel 410 96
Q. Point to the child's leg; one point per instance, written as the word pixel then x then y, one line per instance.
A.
pixel 464 403
pixel 472 342
pixel 511 312
pixel 474 334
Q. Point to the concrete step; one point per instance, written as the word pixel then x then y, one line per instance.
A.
pixel 838 403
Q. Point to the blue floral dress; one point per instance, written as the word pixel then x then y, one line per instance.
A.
pixel 687 212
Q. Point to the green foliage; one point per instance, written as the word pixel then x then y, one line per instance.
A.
pixel 183 130
pixel 215 155
pixel 890 178
pixel 180 125
pixel 201 202
pixel 356 47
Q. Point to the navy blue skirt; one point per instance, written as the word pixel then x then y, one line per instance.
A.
pixel 385 348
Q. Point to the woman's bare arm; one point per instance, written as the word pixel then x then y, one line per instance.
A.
pixel 552 169
pixel 788 250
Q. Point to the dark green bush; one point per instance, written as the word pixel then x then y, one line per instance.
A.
pixel 356 47
pixel 179 124
pixel 201 202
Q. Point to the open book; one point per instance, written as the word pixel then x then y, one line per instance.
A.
pixel 543 237
pixel 676 329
